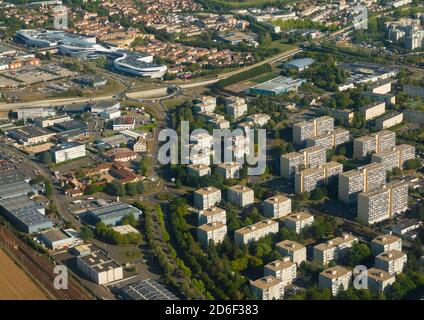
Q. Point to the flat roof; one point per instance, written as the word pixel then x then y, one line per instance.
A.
pixel 125 229
pixel 14 189
pixel 147 289
pixel 64 146
pixel 240 188
pixel 118 210
pixel 212 211
pixel 290 245
pixel 379 275
pixel 278 83
pixel 335 272
pixel 207 190
pixel 256 226
pixel 30 131
pixel 300 63
pixel 299 216
pixel 212 226
pixel 266 282
pixel 12 176
pixel 276 265
pixel 391 255
pixel 277 199
pixel 386 239
pixel 55 235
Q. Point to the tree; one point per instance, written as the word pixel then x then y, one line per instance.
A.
pixel 413 164
pixel 46 157
pixel 357 253
pixel 85 233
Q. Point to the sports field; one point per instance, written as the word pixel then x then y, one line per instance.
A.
pixel 15 283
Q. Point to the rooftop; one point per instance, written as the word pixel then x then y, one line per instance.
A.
pixel 256 226
pixel 290 245
pixel 379 275
pixel 240 188
pixel 116 210
pixel 207 190
pixel 386 239
pixel 212 211
pixel 391 255
pixel 276 265
pixel 146 290
pixel 30 131
pixel 266 282
pixel 299 216
pixel 277 199
pixel 55 235
pixel 300 63
pixel 212 226
pixel 335 272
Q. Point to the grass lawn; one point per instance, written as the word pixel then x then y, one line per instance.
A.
pixel 282 46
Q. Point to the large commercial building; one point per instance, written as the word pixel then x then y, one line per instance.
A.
pixel 388 120
pixel 337 279
pixel 277 86
pixel 235 106
pixel 213 214
pixel 57 239
pixel 277 206
pixel 298 221
pixel 67 151
pixel 25 214
pixel 283 269
pixel 207 197
pixel 215 231
pixel 241 196
pixel 311 157
pixel 268 288
pixel 377 142
pixel 31 134
pixel 385 243
pixel 381 204
pixel 367 178
pixel 379 281
pixel 395 157
pixel 392 261
pixel 100 268
pixel 308 179
pixel 255 231
pixel 329 140
pixel 334 249
pixel 313 128
pixel 113 214
pixel 295 251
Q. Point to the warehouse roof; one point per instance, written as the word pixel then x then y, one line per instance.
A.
pixel 145 290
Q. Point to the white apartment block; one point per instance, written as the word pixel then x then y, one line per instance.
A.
pixel 379 281
pixel 333 249
pixel 48 122
pixel 298 221
pixel 363 179
pixel 329 140
pixel 377 142
pixel 392 261
pixel 309 179
pixel 230 170
pixel 255 231
pixel 259 119
pixel 213 214
pixel 384 203
pixel 206 198
pixel 387 242
pixel 277 206
pixel 100 268
pixel 241 196
pixel 337 279
pixel 395 157
pixel 311 157
pixel 204 104
pixel 215 231
pixel 315 127
pixel 235 106
pixel 68 151
pixel 294 250
pixel 199 170
pixel 374 110
pixel 283 269
pixel 388 120
pixel 268 288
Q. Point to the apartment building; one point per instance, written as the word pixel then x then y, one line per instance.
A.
pixel 379 281
pixel 204 104
pixel 293 162
pixel 259 119
pixel 298 221
pixel 199 170
pixel 333 249
pixel 373 110
pixel 230 170
pixel 268 288
pixel 283 269
pixel 337 279
pixel 255 231
pixel 392 261
pixel 377 142
pixel 381 204
pixel 213 214
pixel 308 179
pixel 235 106
pixel 387 242
pixel 329 140
pixel 395 157
pixel 294 250
pixel 68 151
pixel 389 120
pixel 215 231
pixel 309 129
pixel 362 179
pixel 241 196
pixel 207 197
pixel 277 206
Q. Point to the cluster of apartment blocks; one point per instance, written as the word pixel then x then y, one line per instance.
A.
pixel 319 132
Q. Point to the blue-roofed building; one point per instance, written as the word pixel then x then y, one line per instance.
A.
pixel 27 215
pixel 113 214
pixel 277 86
pixel 298 64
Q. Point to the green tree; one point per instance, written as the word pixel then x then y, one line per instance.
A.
pixel 85 233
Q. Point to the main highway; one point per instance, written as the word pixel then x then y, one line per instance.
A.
pixel 5 107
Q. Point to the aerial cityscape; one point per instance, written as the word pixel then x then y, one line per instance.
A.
pixel 212 150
